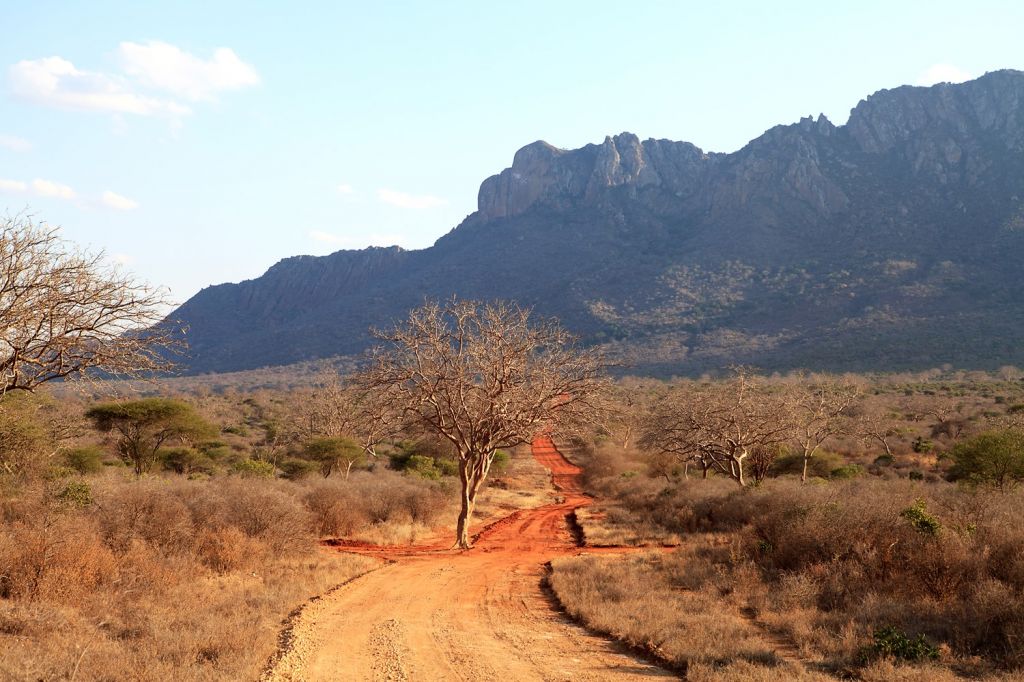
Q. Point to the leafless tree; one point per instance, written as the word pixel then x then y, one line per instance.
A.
pixel 720 425
pixel 873 421
pixel 950 417
pixel 819 407
pixel 340 408
pixel 67 314
pixel 484 377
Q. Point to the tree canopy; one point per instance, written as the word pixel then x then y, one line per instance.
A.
pixel 68 314
pixel 484 377
pixel 145 425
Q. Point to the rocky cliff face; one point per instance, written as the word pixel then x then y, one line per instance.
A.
pixel 543 173
pixel 892 241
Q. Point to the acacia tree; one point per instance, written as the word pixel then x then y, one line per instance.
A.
pixel 720 425
pixel 65 313
pixel 144 426
pixel 484 377
pixel 818 413
pixel 332 453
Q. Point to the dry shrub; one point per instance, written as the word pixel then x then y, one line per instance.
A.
pixel 227 549
pixel 270 512
pixel 637 599
pixel 828 564
pixel 336 509
pixel 160 579
pixel 58 559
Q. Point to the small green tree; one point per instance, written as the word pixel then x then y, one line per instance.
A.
pixel 995 459
pixel 332 453
pixel 145 425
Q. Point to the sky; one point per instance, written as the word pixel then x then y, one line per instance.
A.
pixel 200 142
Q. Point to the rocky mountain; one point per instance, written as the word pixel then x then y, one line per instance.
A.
pixel 893 241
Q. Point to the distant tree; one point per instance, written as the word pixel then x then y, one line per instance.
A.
pixel 949 417
pixel 720 425
pixel 144 426
pixel 995 459
pixel 334 453
pixel 66 314
pixel 339 408
pixel 484 377
pixel 874 422
pixel 819 406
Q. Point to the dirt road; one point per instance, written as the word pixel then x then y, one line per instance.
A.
pixel 433 614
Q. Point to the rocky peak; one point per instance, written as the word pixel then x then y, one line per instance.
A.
pixel 542 172
pixel 889 118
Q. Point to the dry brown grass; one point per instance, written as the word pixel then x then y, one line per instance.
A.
pixel 157 580
pixel 826 565
pixel 672 605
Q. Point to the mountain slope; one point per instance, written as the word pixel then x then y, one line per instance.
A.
pixel 894 241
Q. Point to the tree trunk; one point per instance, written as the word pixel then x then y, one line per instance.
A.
pixel 472 472
pixel 803 476
pixel 739 471
pixel 348 469
pixel 686 471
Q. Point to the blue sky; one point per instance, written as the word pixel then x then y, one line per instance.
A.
pixel 200 142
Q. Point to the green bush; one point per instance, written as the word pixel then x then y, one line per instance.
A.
pixel 922 445
pixel 253 468
pixel 500 463
pixel 85 460
pixel 890 642
pixel 186 461
pixel 75 494
pixel 992 459
pixel 821 464
pixel 918 516
pixel 846 472
pixel 420 465
pixel 295 469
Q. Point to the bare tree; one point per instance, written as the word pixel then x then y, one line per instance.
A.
pixel 819 406
pixel 483 377
pixel 873 421
pixel 338 408
pixel 950 417
pixel 720 425
pixel 65 313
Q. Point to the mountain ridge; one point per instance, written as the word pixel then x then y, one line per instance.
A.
pixel 682 260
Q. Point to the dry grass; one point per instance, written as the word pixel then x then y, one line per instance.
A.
pixel 669 604
pixel 156 580
pixel 823 567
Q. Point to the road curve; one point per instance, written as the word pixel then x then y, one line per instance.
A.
pixel 432 614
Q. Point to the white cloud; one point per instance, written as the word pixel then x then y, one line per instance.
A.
pixel 165 67
pixel 403 200
pixel 345 189
pixel 116 201
pixel 943 73
pixel 48 188
pixel 362 241
pixel 15 144
pixel 13 186
pixel 122 258
pixel 154 77
pixel 55 82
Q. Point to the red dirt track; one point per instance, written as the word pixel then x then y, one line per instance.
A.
pixel 481 614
